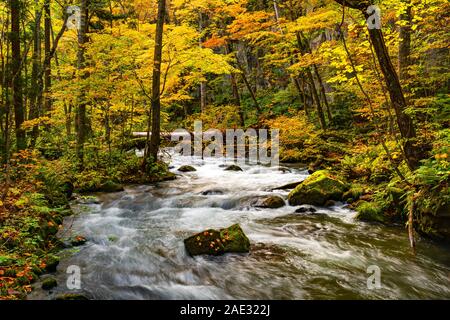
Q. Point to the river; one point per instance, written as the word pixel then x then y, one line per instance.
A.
pixel 135 244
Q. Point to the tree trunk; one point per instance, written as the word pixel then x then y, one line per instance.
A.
pixel 156 86
pixel 405 42
pixel 203 99
pixel 404 121
pixel 47 48
pixel 34 90
pixel 81 64
pixel 19 112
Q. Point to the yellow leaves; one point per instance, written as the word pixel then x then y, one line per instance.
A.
pixel 322 18
pixel 442 156
pixel 35 122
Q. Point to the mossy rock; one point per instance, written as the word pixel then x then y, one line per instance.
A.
pixel 370 212
pixel 78 241
pixel 51 263
pixel 110 187
pixel 71 296
pixel 187 169
pixel 218 242
pixel 273 202
pixel 355 192
pixel 233 168
pixel 319 188
pixel 49 283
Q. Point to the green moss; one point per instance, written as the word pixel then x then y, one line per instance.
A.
pixel 110 186
pixel 355 192
pixel 187 169
pixel 49 283
pixel 371 212
pixel 6 261
pixel 51 263
pixel 235 239
pixel 214 242
pixel 317 190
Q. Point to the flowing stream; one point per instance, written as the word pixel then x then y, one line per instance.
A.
pixel 135 244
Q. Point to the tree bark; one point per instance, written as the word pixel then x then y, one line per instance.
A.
pixel 34 90
pixel 156 86
pixel 203 98
pixel 19 112
pixel 81 65
pixel 405 42
pixel 47 49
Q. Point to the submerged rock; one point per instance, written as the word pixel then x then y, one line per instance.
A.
pixel 273 202
pixel 233 168
pixel 306 210
pixel 218 242
pixel 187 169
pixel 319 188
pixel 49 283
pixel 212 192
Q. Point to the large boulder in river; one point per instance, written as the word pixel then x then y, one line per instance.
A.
pixel 187 169
pixel 319 188
pixel 233 168
pixel 272 202
pixel 218 242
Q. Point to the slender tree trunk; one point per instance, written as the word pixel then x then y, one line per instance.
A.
pixel 156 86
pixel 34 90
pixel 47 48
pixel 203 98
pixel 17 96
pixel 235 89
pixel 81 110
pixel 404 51
pixel 248 85
pixel 323 92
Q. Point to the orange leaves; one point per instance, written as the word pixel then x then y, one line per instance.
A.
pixel 248 25
pixel 215 42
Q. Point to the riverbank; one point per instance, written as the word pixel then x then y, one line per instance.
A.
pixel 34 205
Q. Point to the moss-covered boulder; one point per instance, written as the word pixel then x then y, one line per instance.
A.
pixel 273 202
pixel 49 283
pixel 218 242
pixel 51 263
pixel 370 212
pixel 187 169
pixel 319 188
pixel 110 187
pixel 233 168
